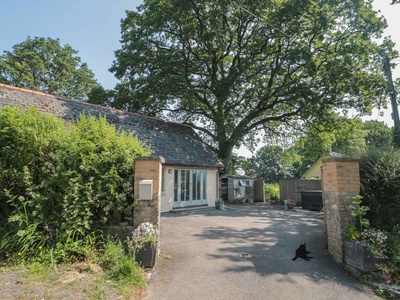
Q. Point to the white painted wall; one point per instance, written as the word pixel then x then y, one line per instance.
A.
pixel 167 198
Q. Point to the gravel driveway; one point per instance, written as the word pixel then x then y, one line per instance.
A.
pixel 245 252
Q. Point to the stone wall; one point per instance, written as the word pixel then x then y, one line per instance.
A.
pixel 340 184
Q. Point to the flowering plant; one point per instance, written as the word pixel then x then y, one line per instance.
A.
pixel 143 234
pixel 372 238
pixel 375 240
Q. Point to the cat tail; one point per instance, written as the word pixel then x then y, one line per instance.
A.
pixel 294 258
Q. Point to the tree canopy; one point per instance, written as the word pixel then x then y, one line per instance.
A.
pixel 234 68
pixel 346 136
pixel 269 164
pixel 44 65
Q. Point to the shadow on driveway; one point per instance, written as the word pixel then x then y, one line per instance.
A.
pixel 245 252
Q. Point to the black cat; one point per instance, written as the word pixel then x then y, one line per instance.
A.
pixel 302 253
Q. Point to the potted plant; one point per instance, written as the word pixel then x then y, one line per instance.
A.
pixel 364 247
pixel 289 204
pixel 219 204
pixel 249 192
pixel 143 243
pixel 236 194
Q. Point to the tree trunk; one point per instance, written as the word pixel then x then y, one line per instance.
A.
pixel 225 155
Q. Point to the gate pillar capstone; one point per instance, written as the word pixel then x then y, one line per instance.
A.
pixel 340 183
pixel 148 210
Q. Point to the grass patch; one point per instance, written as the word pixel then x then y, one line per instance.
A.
pixel 38 281
pixel 111 273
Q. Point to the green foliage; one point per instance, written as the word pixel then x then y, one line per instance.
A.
pixel 38 271
pixel 110 254
pixel 127 270
pixel 352 233
pixel 380 182
pixel 272 191
pixel 359 212
pixel 101 96
pixel 58 184
pixel 378 135
pixel 391 267
pixel 44 65
pixel 337 134
pixel 373 238
pixel 120 266
pixel 234 68
pixel 269 164
pixel 249 191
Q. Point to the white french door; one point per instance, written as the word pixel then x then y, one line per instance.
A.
pixel 189 187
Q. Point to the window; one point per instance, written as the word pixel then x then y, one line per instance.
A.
pixel 190 186
pixel 163 180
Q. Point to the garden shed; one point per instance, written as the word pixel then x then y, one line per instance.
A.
pixel 237 187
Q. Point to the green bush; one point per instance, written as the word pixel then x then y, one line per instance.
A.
pixel 58 183
pixel 380 183
pixel 272 191
pixel 120 266
pixel 390 267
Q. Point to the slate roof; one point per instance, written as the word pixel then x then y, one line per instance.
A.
pixel 177 143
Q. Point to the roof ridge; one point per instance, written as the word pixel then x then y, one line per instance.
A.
pixel 24 90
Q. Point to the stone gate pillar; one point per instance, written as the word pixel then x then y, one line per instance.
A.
pixel 340 183
pixel 147 170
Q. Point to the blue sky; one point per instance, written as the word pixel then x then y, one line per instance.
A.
pixel 92 27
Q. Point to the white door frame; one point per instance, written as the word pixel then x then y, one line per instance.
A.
pixel 189 187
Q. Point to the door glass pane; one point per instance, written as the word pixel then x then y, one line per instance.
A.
pixel 194 186
pixel 163 179
pixel 198 184
pixel 187 185
pixel 176 191
pixel 182 185
pixel 204 180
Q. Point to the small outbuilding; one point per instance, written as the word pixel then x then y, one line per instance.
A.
pixel 237 188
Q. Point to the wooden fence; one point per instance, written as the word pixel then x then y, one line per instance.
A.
pixel 291 189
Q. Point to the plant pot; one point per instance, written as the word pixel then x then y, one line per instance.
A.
pixel 273 202
pixel 219 205
pixel 290 206
pixel 146 256
pixel 241 200
pixel 359 257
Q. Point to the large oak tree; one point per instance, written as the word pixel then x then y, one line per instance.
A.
pixel 234 67
pixel 44 65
